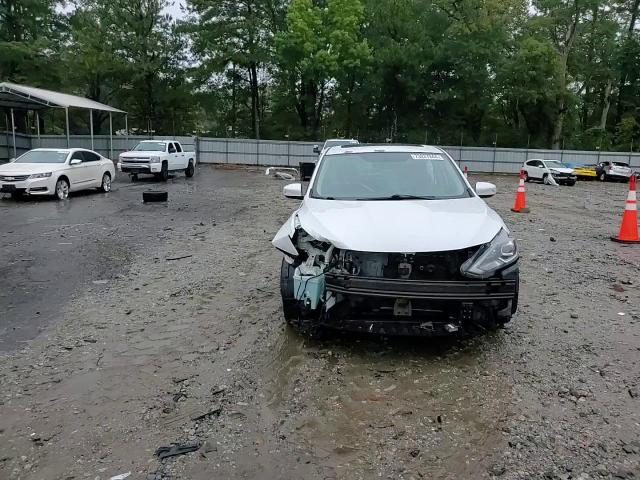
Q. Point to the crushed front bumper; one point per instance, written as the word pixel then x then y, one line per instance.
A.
pixel 427 308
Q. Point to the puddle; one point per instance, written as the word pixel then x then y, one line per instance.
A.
pixel 436 402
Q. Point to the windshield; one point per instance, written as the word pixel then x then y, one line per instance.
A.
pixel 388 176
pixel 337 143
pixel 150 147
pixel 43 156
pixel 555 164
pixel 620 164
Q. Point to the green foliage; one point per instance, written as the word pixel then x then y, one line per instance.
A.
pixel 556 72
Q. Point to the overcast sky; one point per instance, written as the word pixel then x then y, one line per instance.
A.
pixel 176 8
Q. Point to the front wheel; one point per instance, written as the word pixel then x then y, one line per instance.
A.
pixel 190 170
pixel 571 183
pixel 526 177
pixel 164 173
pixel 105 186
pixel 290 306
pixel 62 189
pixel 602 177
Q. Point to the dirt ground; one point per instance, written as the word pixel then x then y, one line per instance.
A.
pixel 112 346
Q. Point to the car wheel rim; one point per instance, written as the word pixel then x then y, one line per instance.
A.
pixel 62 190
pixel 106 183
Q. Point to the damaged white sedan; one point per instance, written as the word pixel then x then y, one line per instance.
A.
pixel 394 240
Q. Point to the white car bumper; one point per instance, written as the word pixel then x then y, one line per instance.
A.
pixel 36 186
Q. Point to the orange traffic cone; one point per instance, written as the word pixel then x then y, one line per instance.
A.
pixel 629 228
pixel 521 197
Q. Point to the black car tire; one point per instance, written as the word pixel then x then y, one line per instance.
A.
pixel 526 176
pixel 190 170
pixel 602 177
pixel 571 183
pixel 134 177
pixel 290 306
pixel 163 176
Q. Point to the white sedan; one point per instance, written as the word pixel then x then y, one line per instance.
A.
pixel 394 240
pixel 50 171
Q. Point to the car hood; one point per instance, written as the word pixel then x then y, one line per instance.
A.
pixel 401 226
pixel 141 153
pixel 562 169
pixel 29 168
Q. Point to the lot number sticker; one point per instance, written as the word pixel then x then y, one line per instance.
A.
pixel 426 156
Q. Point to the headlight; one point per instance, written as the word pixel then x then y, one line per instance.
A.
pixel 154 159
pixel 497 254
pixel 40 175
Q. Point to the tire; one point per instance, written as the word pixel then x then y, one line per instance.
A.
pixel 154 196
pixel 134 177
pixel 544 179
pixel 571 183
pixel 105 186
pixel 62 189
pixel 602 177
pixel 290 306
pixel 190 170
pixel 164 173
pixel 526 176
pixel 17 196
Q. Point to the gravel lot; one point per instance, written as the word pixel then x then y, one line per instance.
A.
pixel 110 347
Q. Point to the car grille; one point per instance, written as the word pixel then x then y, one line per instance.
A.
pixel 135 160
pixel 13 178
pixel 432 266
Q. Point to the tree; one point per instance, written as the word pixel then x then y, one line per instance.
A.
pixel 29 34
pixel 318 44
pixel 233 43
pixel 129 52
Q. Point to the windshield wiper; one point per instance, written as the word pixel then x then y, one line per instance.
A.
pixel 398 196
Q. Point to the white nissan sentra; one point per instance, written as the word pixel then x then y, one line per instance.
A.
pixel 394 240
pixel 48 171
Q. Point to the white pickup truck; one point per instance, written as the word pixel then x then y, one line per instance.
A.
pixel 157 157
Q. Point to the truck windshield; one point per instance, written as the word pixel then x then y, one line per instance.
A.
pixel 150 147
pixel 43 156
pixel 388 176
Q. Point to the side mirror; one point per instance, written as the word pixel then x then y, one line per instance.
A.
pixel 293 190
pixel 75 161
pixel 485 189
pixel 316 149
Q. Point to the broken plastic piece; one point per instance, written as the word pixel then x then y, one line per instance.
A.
pixel 122 476
pixel 177 449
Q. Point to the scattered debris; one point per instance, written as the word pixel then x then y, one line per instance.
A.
pixel 201 416
pixel 177 449
pixel 122 476
pixel 169 259
pixel 218 390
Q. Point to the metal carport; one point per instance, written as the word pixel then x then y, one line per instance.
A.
pixel 22 97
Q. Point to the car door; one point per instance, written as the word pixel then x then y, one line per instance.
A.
pixel 182 161
pixel 533 169
pixel 172 156
pixel 78 174
pixel 94 168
